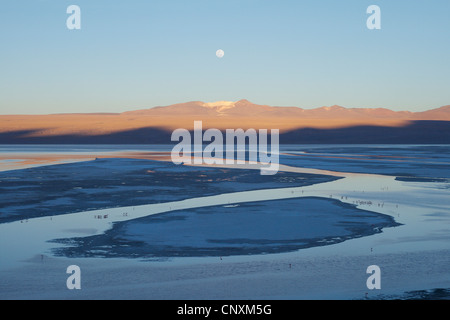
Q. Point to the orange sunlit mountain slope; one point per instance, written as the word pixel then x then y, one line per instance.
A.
pixel 222 115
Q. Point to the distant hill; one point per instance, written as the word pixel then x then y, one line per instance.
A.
pixel 334 124
pixel 244 108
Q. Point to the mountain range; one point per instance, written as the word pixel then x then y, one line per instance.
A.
pixel 334 124
pixel 244 108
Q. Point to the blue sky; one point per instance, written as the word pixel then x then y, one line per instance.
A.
pixel 139 54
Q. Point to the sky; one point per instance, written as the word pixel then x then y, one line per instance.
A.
pixel 133 54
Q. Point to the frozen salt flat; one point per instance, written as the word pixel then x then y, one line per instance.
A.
pixel 413 256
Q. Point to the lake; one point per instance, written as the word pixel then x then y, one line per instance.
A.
pixel 130 204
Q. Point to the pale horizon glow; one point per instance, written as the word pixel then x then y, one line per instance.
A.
pixel 308 54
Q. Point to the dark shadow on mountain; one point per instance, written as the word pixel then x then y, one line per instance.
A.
pixel 417 132
pixel 149 135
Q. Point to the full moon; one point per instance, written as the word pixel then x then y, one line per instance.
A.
pixel 220 53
